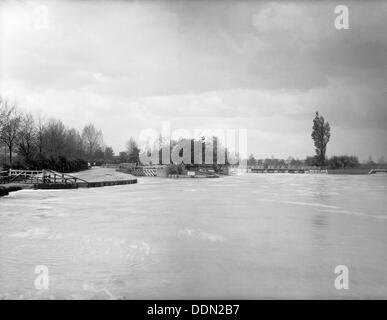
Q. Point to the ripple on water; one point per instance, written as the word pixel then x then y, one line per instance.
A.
pixel 200 235
pixel 32 233
pixel 353 213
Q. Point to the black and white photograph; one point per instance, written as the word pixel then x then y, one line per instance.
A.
pixel 193 150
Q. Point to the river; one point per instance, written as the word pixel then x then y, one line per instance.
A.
pixel 248 236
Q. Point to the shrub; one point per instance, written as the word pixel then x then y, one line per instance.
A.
pixel 61 164
pixel 174 169
pixel 338 162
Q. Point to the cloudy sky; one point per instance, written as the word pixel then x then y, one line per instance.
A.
pixel 263 66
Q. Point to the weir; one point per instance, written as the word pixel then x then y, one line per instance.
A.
pixel 374 171
pixel 287 170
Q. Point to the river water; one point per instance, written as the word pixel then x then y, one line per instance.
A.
pixel 248 236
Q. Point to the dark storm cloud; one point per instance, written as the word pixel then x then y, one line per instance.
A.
pixel 268 65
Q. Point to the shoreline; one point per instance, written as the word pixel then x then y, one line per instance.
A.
pixel 5 190
pixel 93 178
pixel 103 177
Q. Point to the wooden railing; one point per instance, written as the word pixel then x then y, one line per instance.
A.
pixel 25 176
pixel 38 177
pixel 3 177
pixel 50 176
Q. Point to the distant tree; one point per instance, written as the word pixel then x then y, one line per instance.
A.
pixel 296 163
pixel 251 161
pixel 267 163
pixel 321 134
pixel 54 138
pixel 311 161
pixel 10 124
pixel 73 144
pixel 340 162
pixel 40 128
pixel 123 157
pixel 211 147
pixel 92 138
pixel 99 155
pixel 27 137
pixel 370 162
pixel 3 112
pixel 289 160
pixel 108 154
pixel 133 151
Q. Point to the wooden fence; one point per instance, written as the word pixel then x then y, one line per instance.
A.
pixel 37 177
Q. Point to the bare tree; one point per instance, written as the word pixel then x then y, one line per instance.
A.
pixel 92 138
pixel 251 161
pixel 10 124
pixel 27 137
pixel 132 151
pixel 40 129
pixel 2 117
pixel 108 154
pixel 54 138
pixel 2 112
pixel 74 145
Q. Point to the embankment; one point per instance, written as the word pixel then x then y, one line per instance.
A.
pixel 349 171
pixel 5 190
pixel 93 178
pixel 94 184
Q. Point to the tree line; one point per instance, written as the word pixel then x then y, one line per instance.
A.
pixel 334 162
pixel 36 144
pixel 321 134
pixel 132 153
